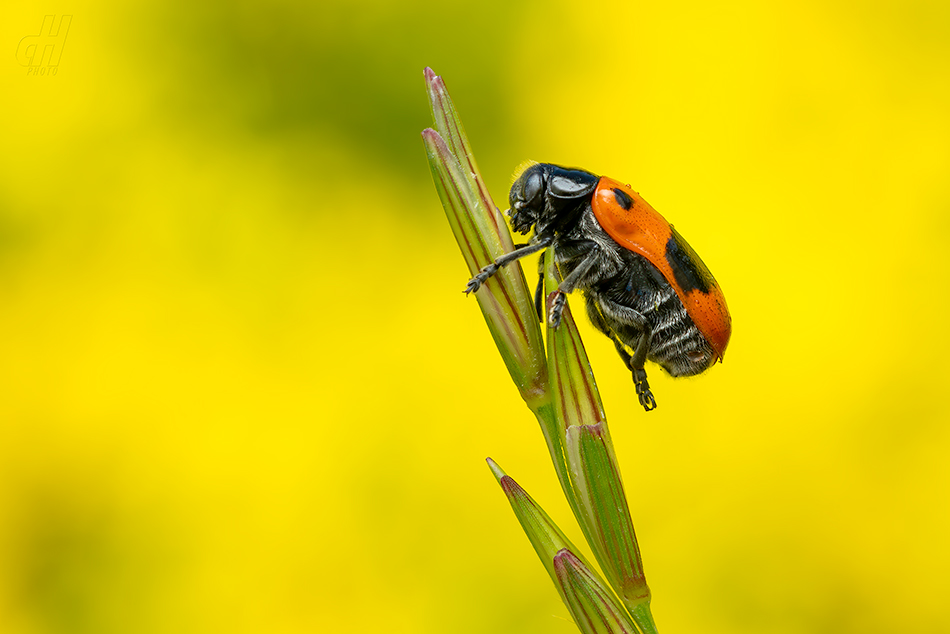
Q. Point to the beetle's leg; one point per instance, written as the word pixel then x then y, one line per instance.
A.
pixel 637 360
pixel 571 282
pixel 539 291
pixel 487 271
pixel 639 372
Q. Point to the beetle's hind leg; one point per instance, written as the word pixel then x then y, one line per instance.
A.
pixel 635 362
pixel 644 394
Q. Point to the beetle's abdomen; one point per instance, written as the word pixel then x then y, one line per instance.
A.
pixel 677 345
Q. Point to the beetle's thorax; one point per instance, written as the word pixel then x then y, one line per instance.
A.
pixel 561 219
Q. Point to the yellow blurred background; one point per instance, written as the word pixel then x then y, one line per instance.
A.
pixel 240 387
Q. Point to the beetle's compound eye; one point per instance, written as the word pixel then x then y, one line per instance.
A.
pixel 528 188
pixel 533 187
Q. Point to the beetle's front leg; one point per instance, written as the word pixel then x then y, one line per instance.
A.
pixel 488 270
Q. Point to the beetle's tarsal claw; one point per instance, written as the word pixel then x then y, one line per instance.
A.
pixel 644 394
pixel 476 282
pixel 557 308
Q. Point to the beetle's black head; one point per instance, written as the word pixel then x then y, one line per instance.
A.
pixel 526 199
pixel 547 195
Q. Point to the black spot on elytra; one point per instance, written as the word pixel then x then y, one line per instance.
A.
pixel 688 269
pixel 622 199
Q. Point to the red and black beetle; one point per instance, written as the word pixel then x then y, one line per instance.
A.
pixel 645 287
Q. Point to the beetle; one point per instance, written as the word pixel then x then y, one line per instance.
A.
pixel 644 286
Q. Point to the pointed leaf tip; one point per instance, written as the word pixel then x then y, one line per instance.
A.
pixel 497 471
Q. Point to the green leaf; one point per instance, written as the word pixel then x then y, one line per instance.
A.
pixel 541 530
pixel 577 399
pixel 568 408
pixel 604 510
pixel 593 606
pixel 449 125
pixel 482 235
pixel 597 498
pixel 595 609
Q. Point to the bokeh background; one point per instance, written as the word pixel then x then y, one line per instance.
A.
pixel 240 387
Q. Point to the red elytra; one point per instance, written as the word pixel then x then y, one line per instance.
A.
pixel 642 230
